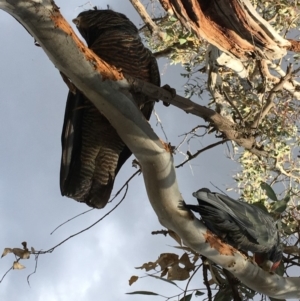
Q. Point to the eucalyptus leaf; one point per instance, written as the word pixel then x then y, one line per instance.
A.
pixel 143 293
pixel 198 293
pixel 186 297
pixel 269 191
pixel 163 279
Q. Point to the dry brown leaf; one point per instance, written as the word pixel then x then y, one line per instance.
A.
pixel 133 279
pixel 164 272
pixel 184 259
pixel 26 254
pixel 18 266
pixel 175 272
pixel 148 266
pixel 6 251
pixel 175 236
pixel 18 252
pixel 167 259
pixel 195 258
pixel 211 282
pixel 187 249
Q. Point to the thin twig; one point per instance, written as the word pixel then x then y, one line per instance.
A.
pixel 187 285
pixel 154 29
pixel 201 151
pixel 233 105
pixel 5 274
pixel 205 279
pixel 99 220
pixel 233 282
pixel 35 268
pixel 71 219
pixel 269 103
pixel 158 121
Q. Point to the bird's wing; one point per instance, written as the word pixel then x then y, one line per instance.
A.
pixel 93 152
pixel 91 149
pixel 258 224
pixel 70 137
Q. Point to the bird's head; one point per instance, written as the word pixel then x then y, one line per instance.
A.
pixel 197 194
pixel 90 23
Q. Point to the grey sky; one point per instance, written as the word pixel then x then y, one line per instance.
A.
pixel 96 264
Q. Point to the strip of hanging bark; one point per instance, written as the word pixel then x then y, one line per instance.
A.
pixel 233 26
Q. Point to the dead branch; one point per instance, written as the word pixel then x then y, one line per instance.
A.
pixel 230 130
pixel 154 29
pixel 270 100
pixel 190 156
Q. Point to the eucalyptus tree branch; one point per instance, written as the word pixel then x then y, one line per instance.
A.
pixel 217 58
pixel 233 26
pixel 197 153
pixel 270 100
pixel 291 86
pixel 44 21
pixel 154 29
pixel 229 129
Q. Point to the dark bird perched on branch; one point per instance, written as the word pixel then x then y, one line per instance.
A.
pixel 243 226
pixel 92 151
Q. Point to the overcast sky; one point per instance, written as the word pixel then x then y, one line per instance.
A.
pixel 97 264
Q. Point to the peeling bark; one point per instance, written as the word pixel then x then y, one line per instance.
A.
pixel 232 26
pixel 295 45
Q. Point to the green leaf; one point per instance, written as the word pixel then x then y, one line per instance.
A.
pixel 269 191
pixel 273 299
pixel 142 293
pixel 182 41
pixel 198 293
pixel 223 295
pixel 186 297
pixel 260 206
pixel 247 291
pixel 287 198
pixel 280 206
pixel 163 279
pixel 173 19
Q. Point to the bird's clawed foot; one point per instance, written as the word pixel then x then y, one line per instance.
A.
pixel 171 90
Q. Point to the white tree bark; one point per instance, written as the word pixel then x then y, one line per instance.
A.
pixel 43 20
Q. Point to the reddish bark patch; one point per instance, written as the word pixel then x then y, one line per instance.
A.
pixel 225 24
pixel 295 46
pixel 167 146
pixel 107 71
pixel 218 245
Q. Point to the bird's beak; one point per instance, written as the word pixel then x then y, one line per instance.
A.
pixel 275 266
pixel 76 21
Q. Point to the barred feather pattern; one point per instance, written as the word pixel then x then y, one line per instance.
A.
pixel 92 151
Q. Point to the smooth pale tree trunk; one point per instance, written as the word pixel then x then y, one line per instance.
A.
pixel 103 85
